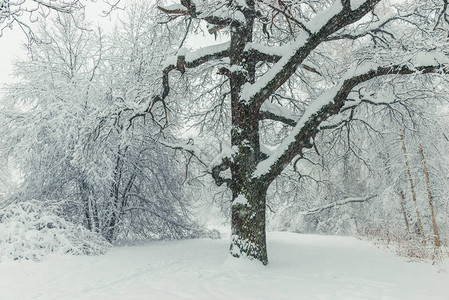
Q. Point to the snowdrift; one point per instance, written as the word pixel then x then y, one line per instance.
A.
pixel 32 230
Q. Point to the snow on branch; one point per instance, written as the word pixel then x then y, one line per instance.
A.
pixel 277 113
pixel 58 6
pixel 198 57
pixel 320 20
pixel 323 25
pixel 272 54
pixel 219 16
pixel 336 204
pixel 266 53
pixel 332 102
pixel 183 60
pixel 373 28
pixel 15 11
pixel 174 9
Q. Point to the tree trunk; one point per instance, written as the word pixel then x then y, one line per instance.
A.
pixel 89 207
pixel 248 237
pixel 398 190
pixel 248 195
pixel 436 235
pixel 404 214
pixel 412 188
pixel 115 199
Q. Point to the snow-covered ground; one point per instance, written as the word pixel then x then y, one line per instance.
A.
pixel 301 267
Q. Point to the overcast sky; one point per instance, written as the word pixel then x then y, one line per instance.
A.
pixel 11 48
pixel 12 42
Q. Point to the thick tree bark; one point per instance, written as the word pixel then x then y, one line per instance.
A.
pixel 248 195
pixel 248 222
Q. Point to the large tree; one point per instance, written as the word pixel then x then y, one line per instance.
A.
pixel 304 65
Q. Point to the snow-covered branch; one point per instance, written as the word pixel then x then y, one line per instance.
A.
pixel 322 26
pixel 196 58
pixel 330 103
pixel 269 54
pixel 277 113
pixel 374 28
pixel 183 60
pixel 218 16
pixel 336 204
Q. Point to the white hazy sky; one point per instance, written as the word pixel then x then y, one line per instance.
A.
pixel 11 48
pixel 12 43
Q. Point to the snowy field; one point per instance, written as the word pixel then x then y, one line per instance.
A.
pixel 301 267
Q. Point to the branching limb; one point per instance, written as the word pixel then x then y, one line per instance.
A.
pixel 273 79
pixel 288 15
pixel 216 170
pixel 327 105
pixel 180 63
pixel 189 148
pixel 188 8
pixel 267 54
pixel 221 163
pixel 444 14
pixel 264 115
pixel 336 204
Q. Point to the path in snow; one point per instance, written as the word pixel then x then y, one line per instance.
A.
pixel 301 267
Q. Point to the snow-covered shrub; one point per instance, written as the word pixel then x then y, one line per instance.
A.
pixel 32 230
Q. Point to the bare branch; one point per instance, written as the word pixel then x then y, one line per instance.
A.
pixel 443 14
pixel 288 15
pixel 180 63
